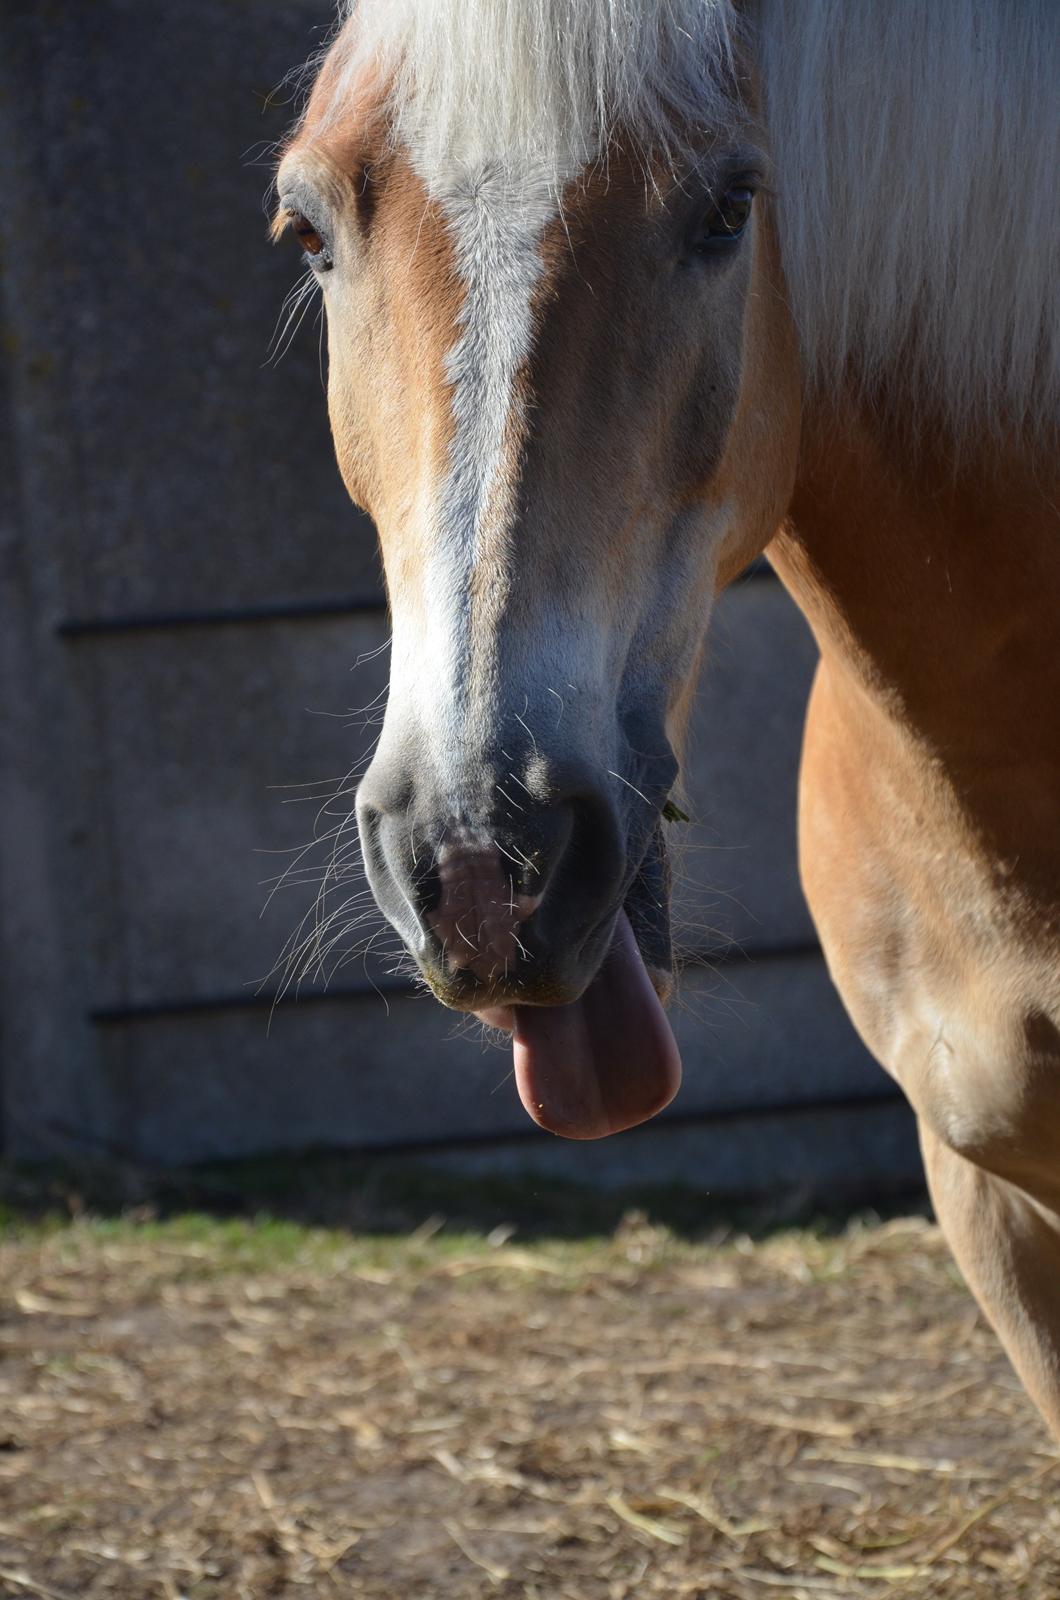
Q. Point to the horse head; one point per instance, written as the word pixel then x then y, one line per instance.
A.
pixel 563 382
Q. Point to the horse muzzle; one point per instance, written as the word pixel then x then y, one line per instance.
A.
pixel 510 901
pixel 546 916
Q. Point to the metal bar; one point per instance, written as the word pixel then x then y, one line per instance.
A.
pixel 528 1133
pixel 199 1005
pixel 385 984
pixel 152 621
pixel 372 604
pixel 759 568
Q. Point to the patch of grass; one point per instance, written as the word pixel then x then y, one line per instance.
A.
pixel 195 1246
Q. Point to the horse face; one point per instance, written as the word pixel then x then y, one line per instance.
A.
pixel 572 417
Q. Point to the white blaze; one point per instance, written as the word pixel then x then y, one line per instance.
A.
pixel 496 218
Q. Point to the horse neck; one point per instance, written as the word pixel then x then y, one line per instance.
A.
pixel 932 583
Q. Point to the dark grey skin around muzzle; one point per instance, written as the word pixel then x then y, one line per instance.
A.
pixel 510 894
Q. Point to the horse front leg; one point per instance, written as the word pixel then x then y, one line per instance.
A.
pixel 1006 1240
pixel 952 1003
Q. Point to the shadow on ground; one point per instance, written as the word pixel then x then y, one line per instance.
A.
pixel 325 1189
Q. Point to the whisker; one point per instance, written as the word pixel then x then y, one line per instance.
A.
pixel 628 785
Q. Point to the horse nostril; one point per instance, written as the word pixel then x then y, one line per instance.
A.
pixel 479 910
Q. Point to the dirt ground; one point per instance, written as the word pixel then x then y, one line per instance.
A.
pixel 250 1407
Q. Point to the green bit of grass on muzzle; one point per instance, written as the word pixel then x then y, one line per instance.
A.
pixel 673 813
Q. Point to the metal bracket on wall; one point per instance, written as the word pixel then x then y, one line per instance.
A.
pixel 154 621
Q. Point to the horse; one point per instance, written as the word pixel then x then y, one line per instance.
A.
pixel 620 295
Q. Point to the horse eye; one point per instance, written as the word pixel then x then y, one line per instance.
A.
pixel 307 235
pixel 734 212
pixel 726 219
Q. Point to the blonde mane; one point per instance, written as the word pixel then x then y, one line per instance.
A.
pixel 917 146
pixel 915 149
pixel 532 84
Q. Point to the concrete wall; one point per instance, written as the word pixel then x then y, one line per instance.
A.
pixel 185 592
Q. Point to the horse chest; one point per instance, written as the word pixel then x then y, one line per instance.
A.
pixel 946 951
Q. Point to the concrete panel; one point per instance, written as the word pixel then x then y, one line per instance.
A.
pixel 198 725
pixel 223 744
pixel 859 1156
pixel 144 296
pixel 367 1073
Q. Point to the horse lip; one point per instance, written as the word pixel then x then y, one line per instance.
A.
pixel 460 989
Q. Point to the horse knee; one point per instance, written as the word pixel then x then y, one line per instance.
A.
pixel 997 1103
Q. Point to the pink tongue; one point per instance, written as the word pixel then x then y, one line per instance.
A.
pixel 605 1062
